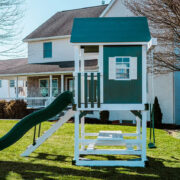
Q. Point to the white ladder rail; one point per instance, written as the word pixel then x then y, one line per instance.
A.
pixel 69 114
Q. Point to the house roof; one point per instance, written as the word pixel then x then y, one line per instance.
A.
pixel 114 29
pixel 61 23
pixel 21 67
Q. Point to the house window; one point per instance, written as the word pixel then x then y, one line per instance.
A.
pixel 122 68
pixel 44 87
pixel 47 50
pixel 0 83
pixel 12 83
pixel 55 87
pixel 44 84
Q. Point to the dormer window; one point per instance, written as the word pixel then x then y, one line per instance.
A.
pixel 47 49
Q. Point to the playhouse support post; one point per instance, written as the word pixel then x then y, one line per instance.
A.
pixel 82 75
pixel 100 64
pixel 82 131
pixel 138 129
pixel 17 87
pixel 144 121
pixel 76 146
pixel 76 59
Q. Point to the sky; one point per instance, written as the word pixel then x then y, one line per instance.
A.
pixel 38 11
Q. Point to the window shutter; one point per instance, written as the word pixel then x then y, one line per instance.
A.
pixel 112 68
pixel 133 68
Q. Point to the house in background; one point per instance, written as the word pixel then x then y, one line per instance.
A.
pixel 8 85
pixel 50 65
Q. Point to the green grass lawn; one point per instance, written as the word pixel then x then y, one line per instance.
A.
pixel 53 159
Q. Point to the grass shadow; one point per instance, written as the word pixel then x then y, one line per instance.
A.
pixel 33 171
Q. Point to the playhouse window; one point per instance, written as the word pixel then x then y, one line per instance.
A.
pixel 123 68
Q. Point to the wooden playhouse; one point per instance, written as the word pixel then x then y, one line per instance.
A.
pixel 119 84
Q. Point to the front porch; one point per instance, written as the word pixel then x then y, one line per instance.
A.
pixel 37 90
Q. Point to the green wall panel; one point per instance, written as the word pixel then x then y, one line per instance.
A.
pixel 126 91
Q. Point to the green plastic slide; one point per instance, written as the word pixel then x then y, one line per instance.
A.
pixel 24 125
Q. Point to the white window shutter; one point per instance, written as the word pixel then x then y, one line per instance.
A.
pixel 133 68
pixel 112 68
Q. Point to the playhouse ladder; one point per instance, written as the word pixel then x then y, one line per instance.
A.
pixel 69 114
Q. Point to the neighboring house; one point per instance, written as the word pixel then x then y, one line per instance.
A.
pixel 8 85
pixel 51 63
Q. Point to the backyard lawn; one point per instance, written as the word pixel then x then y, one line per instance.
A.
pixel 53 159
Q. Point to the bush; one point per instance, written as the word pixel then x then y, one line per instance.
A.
pixel 2 109
pixel 16 109
pixel 157 114
pixel 104 116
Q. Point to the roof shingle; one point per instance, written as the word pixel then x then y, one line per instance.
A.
pixel 61 23
pixel 21 66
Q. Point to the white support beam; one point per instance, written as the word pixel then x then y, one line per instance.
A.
pixel 17 87
pixel 82 77
pixel 62 83
pixel 144 74
pixel 82 131
pixel 76 140
pixel 130 163
pixel 144 121
pixel 100 64
pixel 138 129
pixel 76 57
pixel 111 151
pixel 50 86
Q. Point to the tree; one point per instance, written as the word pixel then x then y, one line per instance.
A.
pixel 164 20
pixel 157 113
pixel 11 12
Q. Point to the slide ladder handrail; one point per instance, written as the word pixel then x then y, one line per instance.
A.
pixel 70 113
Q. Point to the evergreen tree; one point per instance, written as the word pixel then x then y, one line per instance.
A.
pixel 157 113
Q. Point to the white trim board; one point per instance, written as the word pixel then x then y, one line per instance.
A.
pixel 107 8
pixel 47 38
pixel 110 43
pixel 37 74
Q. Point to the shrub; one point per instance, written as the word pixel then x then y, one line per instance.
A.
pixel 16 109
pixel 157 114
pixel 104 116
pixel 2 109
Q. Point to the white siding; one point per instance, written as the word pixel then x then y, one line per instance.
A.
pixel 62 50
pixel 163 89
pixel 118 10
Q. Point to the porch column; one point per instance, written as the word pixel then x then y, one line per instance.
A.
pixel 16 87
pixel 50 86
pixel 8 88
pixel 62 83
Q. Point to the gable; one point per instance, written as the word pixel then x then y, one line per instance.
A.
pixel 116 8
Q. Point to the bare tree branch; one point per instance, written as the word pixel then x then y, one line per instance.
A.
pixel 11 14
pixel 164 20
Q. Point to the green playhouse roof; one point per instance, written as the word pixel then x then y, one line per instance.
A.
pixel 105 30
